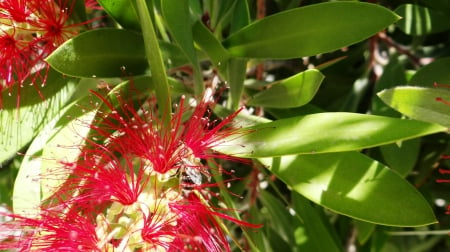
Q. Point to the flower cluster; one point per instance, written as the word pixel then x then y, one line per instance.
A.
pixel 29 31
pixel 138 185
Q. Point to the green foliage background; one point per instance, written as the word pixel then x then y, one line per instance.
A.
pixel 350 126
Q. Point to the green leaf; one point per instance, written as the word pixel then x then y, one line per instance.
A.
pixel 62 146
pixel 155 60
pixel 177 17
pixel 317 230
pixel 172 55
pixel 19 126
pixel 352 184
pixel 123 12
pixel 211 45
pixel 426 104
pixel 240 16
pixel 236 73
pixel 309 30
pixel 393 75
pixel 279 217
pixel 292 92
pixel 401 156
pixel 324 132
pixel 78 10
pixel 101 53
pixel 365 230
pixel 27 186
pixel 435 72
pixel 418 20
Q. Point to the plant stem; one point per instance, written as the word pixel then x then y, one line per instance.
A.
pixel 155 61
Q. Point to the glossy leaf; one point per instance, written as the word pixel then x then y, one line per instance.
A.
pixel 236 73
pixel 292 92
pixel 101 53
pixel 426 104
pixel 318 231
pixel 309 30
pixel 435 72
pixel 285 224
pixel 172 54
pixel 365 230
pixel 325 132
pixel 62 147
pixel 123 12
pixel 19 126
pixel 27 186
pixel 176 15
pixel 352 184
pixel 401 156
pixel 393 75
pixel 240 16
pixel 419 20
pixel 211 45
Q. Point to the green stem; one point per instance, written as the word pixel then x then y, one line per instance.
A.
pixel 155 61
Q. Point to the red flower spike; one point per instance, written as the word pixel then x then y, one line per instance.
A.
pixel 138 187
pixel 16 10
pixel 53 17
pixel 201 134
pixel 51 231
pixel 144 135
pixel 159 231
pixel 32 30
pixel 197 229
pixel 14 58
pixel 100 177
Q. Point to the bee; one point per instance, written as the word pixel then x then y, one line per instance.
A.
pixel 191 171
pixel 191 175
pixel 190 178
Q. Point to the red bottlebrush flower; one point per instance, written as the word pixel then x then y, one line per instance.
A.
pixel 189 226
pixel 144 135
pixel 15 10
pixel 100 177
pixel 51 231
pixel 15 59
pixel 197 227
pixel 30 31
pixel 53 22
pixel 138 187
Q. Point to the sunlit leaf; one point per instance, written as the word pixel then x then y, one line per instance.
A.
pixel 309 30
pixel 352 184
pixel 19 126
pixel 123 12
pixel 292 92
pixel 325 132
pixel 426 104
pixel 101 53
